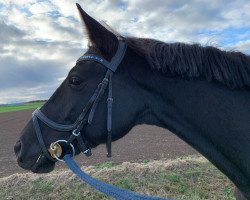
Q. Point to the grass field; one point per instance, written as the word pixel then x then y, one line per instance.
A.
pixel 188 178
pixel 23 106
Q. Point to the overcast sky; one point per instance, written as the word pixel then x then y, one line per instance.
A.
pixel 40 40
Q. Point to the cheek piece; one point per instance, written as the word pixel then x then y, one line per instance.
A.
pixel 55 150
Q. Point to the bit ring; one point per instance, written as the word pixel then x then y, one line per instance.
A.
pixel 52 147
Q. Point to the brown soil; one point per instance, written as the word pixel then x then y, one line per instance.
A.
pixel 142 143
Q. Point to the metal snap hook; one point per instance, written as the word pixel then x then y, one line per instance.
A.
pixel 55 149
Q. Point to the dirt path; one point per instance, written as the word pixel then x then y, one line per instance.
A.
pixel 142 143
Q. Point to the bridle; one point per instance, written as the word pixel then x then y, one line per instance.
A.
pixel 87 114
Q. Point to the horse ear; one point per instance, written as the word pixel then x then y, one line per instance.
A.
pixel 100 38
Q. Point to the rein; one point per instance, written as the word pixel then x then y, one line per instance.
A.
pixel 111 190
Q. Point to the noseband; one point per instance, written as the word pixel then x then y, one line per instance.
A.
pixel 87 113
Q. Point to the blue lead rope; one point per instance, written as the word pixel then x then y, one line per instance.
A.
pixel 111 190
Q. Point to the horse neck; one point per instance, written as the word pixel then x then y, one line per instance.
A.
pixel 209 116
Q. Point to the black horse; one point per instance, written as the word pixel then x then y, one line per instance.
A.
pixel 199 93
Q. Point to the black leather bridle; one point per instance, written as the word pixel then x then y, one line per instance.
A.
pixel 87 113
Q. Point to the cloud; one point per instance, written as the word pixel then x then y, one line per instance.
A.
pixel 29 73
pixel 243 46
pixel 9 33
pixel 36 50
pixel 29 79
pixel 24 94
pixel 41 39
pixel 42 7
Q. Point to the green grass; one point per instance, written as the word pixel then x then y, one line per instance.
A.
pixel 24 106
pixel 42 186
pixel 191 179
pixel 104 165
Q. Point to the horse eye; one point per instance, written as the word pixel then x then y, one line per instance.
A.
pixel 75 81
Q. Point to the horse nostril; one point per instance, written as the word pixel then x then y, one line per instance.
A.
pixel 20 160
pixel 17 147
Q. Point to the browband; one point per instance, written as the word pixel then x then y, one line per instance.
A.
pixel 115 61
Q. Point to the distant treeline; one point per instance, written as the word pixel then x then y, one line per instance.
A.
pixel 37 101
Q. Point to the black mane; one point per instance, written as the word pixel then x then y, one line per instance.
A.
pixel 194 61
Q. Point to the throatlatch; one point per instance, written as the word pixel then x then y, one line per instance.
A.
pixel 86 117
